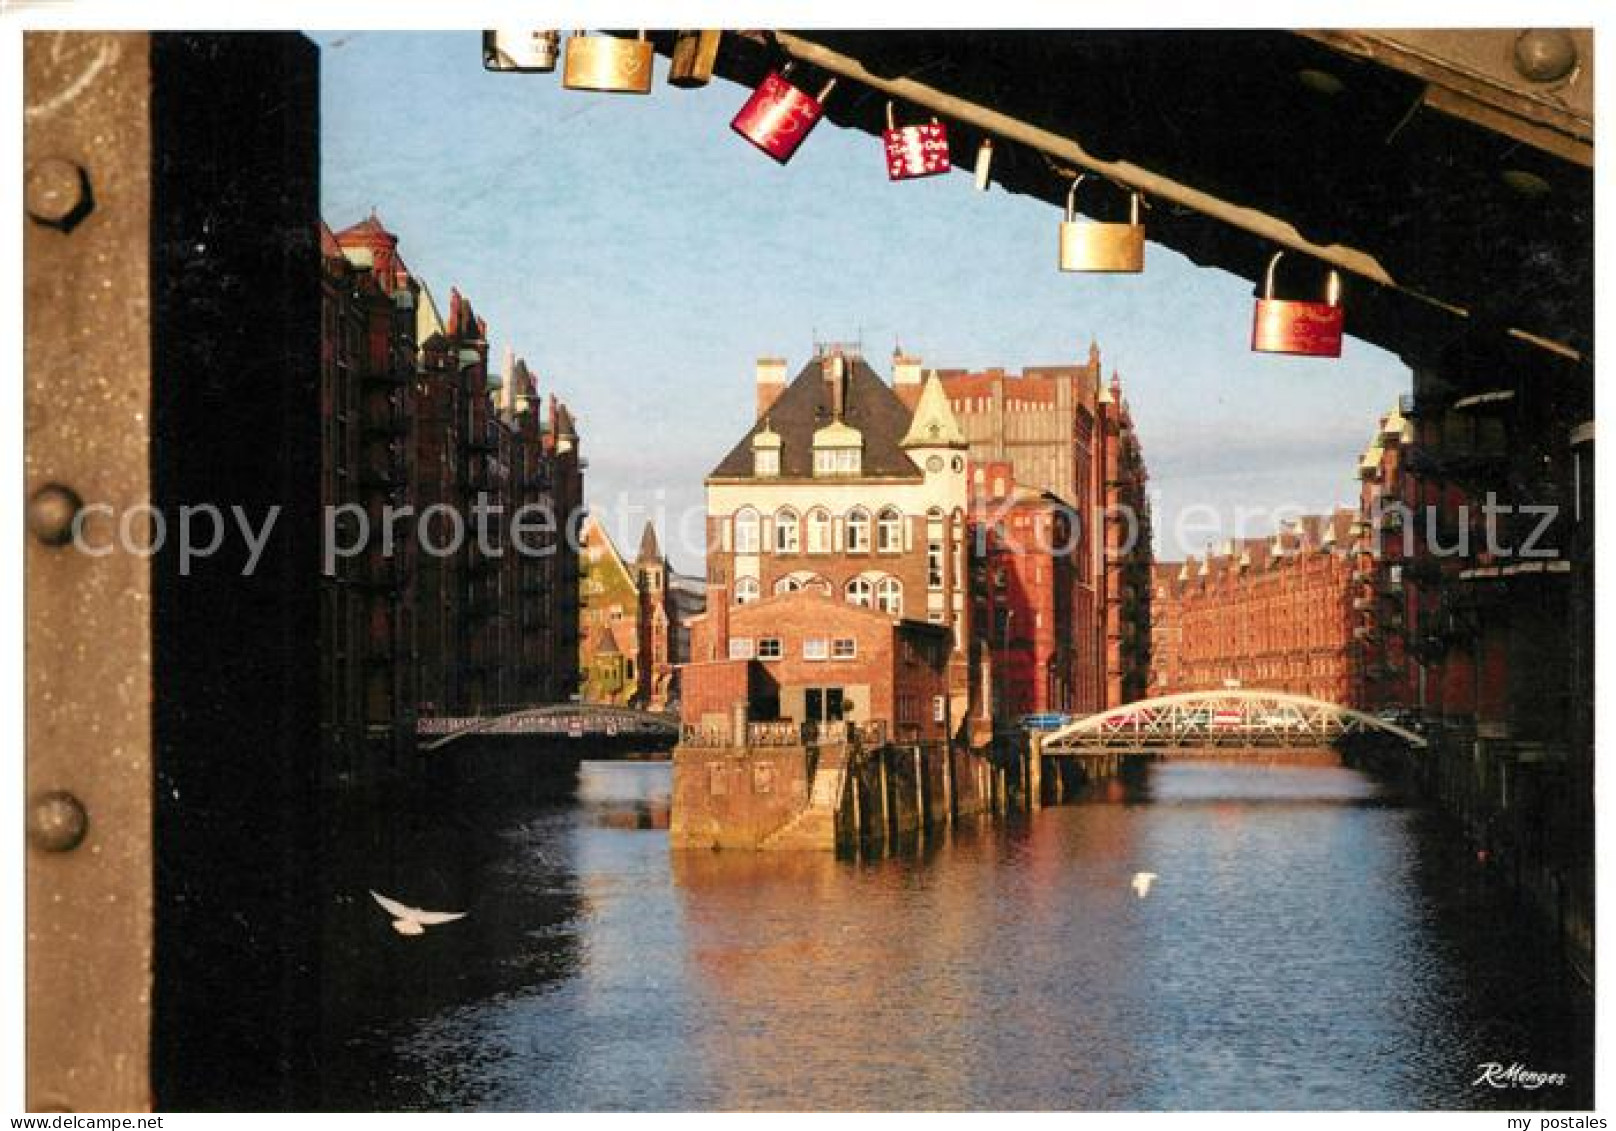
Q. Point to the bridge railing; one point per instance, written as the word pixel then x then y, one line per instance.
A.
pixel 704 737
pixel 1240 718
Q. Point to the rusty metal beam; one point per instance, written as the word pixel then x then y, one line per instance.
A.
pixel 1068 151
pixel 1472 73
pixel 87 395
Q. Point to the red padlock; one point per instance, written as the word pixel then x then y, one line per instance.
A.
pixel 778 116
pixel 915 151
pixel 1311 329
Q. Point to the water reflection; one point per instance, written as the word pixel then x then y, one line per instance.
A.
pixel 1311 942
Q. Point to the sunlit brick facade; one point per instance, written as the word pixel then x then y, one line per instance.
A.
pixel 1270 613
pixel 1066 431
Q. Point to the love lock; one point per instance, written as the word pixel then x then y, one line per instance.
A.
pixel 779 115
pixel 1298 326
pixel 1093 245
pixel 606 63
pixel 915 151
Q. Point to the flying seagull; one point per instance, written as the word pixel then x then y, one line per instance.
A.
pixel 1141 883
pixel 412 920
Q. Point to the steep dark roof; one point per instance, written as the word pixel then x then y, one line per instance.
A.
pixel 649 550
pixel 805 407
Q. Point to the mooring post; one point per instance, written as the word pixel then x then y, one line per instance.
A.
pixel 920 791
pixel 886 801
pixel 1035 771
pixel 858 809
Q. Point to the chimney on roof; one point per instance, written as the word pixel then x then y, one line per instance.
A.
pixel 507 391
pixel 833 368
pixel 771 382
pixel 905 371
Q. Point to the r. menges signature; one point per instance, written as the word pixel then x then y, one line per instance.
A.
pixel 1515 1075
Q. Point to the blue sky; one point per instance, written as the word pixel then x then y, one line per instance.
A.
pixel 641 256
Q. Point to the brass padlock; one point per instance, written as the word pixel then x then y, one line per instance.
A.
pixel 1298 326
pixel 1093 245
pixel 694 54
pixel 606 63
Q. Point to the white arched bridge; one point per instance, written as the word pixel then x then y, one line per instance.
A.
pixel 1218 722
pixel 557 720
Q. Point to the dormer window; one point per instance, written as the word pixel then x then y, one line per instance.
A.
pixel 766 453
pixel 838 451
pixel 838 461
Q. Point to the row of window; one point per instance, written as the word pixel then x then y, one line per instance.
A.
pixel 844 462
pixel 884 593
pixel 813 648
pixel 791 532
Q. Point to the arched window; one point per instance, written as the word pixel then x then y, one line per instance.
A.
pixel 858 531
pixel 788 584
pixel 859 592
pixel 819 531
pixel 786 531
pixel 746 532
pixel 889 596
pixel 889 531
pixel 746 591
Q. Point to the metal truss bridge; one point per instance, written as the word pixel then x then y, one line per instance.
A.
pixel 558 720
pixel 1218 722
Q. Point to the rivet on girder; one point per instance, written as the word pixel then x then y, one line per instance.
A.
pixel 57 821
pixel 51 514
pixel 58 193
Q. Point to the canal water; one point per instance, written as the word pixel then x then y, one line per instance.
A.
pixel 1311 941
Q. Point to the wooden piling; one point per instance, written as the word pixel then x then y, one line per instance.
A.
pixel 920 791
pixel 1035 772
pixel 858 810
pixel 886 800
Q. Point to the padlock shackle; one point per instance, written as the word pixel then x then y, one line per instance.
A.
pixel 824 92
pixel 1332 286
pixel 1071 202
pixel 892 122
pixel 1268 279
pixel 1071 198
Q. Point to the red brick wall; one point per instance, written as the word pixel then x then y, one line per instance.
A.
pixel 903 666
pixel 1285 627
pixel 725 800
pixel 712 688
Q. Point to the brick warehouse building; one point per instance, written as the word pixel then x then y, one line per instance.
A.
pixel 413 418
pixel 1066 432
pixel 1493 633
pixel 1271 613
pixel 1383 606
